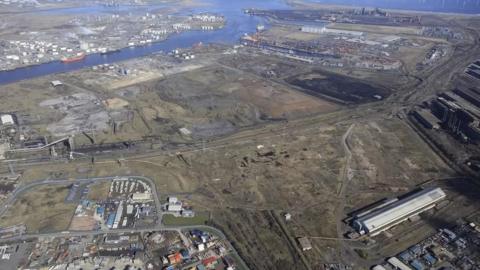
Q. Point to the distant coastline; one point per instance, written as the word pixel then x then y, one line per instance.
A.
pixel 313 3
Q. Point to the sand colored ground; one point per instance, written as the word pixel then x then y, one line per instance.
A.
pixel 41 210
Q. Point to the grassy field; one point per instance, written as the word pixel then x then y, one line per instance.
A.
pixel 99 191
pixel 41 210
pixel 296 170
pixel 198 219
pixel 387 30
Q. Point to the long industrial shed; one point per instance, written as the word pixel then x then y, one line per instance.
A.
pixel 397 211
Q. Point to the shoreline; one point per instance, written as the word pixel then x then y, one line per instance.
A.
pixel 301 4
pixel 118 48
pixel 108 52
pixel 49 8
pixel 113 51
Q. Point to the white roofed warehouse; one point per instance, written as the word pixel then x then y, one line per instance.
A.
pixel 397 211
pixel 7 119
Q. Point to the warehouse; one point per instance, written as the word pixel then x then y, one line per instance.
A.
pixel 7 119
pixel 426 118
pixel 141 197
pixel 325 30
pixel 398 264
pixel 389 215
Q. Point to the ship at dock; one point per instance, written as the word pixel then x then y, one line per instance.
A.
pixel 73 59
pixel 106 51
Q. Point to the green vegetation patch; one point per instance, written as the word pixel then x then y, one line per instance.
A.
pixel 198 219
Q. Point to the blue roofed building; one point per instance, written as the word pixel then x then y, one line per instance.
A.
pixel 405 256
pixel 185 254
pixel 430 259
pixel 85 203
pixel 100 211
pixel 110 220
pixel 196 233
pixel 417 265
pixel 416 250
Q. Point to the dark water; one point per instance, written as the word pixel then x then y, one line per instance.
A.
pixel 238 23
pixel 455 6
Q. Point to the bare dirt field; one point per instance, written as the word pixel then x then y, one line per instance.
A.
pixel 83 223
pixel 293 168
pixel 282 70
pixel 388 30
pixel 261 169
pixel 207 98
pixel 216 100
pixel 99 191
pixel 41 210
pixel 290 33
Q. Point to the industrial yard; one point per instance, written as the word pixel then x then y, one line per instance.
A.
pixel 128 202
pixel 454 114
pixel 446 248
pixel 153 249
pixel 96 34
pixel 270 135
pixel 255 167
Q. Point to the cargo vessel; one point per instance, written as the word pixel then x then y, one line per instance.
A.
pixel 73 59
pixel 106 52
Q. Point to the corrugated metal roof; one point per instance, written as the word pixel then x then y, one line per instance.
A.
pixel 398 264
pixel 399 210
pixel 7 119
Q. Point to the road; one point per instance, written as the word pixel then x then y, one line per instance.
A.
pixel 22 189
pixel 427 84
pixel 346 176
pixel 157 227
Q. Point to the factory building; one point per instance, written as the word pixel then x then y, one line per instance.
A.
pixel 397 264
pixel 396 211
pixel 456 118
pixel 426 118
pixel 56 83
pixel 174 205
pixel 470 95
pixel 141 197
pixel 118 216
pixel 7 119
pixel 325 30
pixel 110 220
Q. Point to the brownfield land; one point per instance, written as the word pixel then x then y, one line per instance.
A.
pixel 317 164
pixel 293 167
pixel 42 210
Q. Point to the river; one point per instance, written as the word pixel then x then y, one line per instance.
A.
pixel 238 23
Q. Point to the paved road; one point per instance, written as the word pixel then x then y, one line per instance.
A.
pixel 22 189
pixel 157 227
pixel 428 83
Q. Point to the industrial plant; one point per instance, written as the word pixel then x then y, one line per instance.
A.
pixel 235 135
pixel 389 213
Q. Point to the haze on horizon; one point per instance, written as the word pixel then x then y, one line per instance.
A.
pixel 454 6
